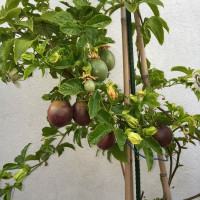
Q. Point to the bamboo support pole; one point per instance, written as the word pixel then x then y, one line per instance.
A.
pixel 128 166
pixel 145 78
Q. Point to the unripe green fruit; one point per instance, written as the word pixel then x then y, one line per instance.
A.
pixel 89 86
pixel 99 69
pixel 108 57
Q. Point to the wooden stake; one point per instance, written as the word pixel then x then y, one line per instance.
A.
pixel 128 166
pixel 145 78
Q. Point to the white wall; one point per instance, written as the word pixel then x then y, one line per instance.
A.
pixel 79 175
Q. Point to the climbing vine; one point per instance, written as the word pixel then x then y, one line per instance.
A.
pixel 71 44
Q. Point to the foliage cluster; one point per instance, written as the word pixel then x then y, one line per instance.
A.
pixel 62 42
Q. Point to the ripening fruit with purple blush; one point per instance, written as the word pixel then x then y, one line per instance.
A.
pixel 163 135
pixel 60 113
pixel 107 142
pixel 80 113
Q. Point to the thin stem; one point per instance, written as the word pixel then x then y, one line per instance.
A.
pixel 142 195
pixel 194 137
pixel 171 163
pixel 40 163
pixel 140 16
pixel 177 161
pixel 103 105
pixel 115 6
pixel 60 81
pixel 193 197
pixel 123 171
pixel 174 120
pixel 166 113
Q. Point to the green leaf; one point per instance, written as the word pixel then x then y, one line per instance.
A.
pixel 133 28
pixel 157 78
pixel 5 50
pixel 81 44
pixel 10 4
pixel 120 138
pixel 11 166
pixel 164 24
pixel 72 87
pixel 155 25
pixel 155 2
pixel 79 3
pixel 197 117
pixel 60 149
pixel 7 16
pixel 49 16
pixel 94 104
pixel 28 23
pixel 31 157
pixel 71 28
pixel 118 154
pixel 99 133
pixel 91 35
pixel 99 21
pixel 103 40
pixel 106 117
pixel 18 186
pixel 19 160
pixel 131 7
pixel 79 134
pixel 153 145
pixel 49 131
pixel 185 70
pixel 28 71
pixel 63 17
pixel 20 47
pixel 65 64
pixel 154 9
pixel 150 99
pixel 5 175
pixel 149 157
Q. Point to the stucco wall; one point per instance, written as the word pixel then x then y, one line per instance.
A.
pixel 80 175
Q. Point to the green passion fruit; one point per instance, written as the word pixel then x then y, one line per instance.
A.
pixel 163 135
pixel 60 113
pixel 89 86
pixel 108 57
pixel 99 69
pixel 80 113
pixel 107 142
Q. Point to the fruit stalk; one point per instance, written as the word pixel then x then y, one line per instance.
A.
pixel 128 165
pixel 145 78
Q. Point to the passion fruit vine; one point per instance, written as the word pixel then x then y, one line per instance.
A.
pixel 107 142
pixel 60 113
pixel 80 113
pixel 163 135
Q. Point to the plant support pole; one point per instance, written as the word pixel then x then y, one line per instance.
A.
pixel 128 165
pixel 132 81
pixel 145 78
